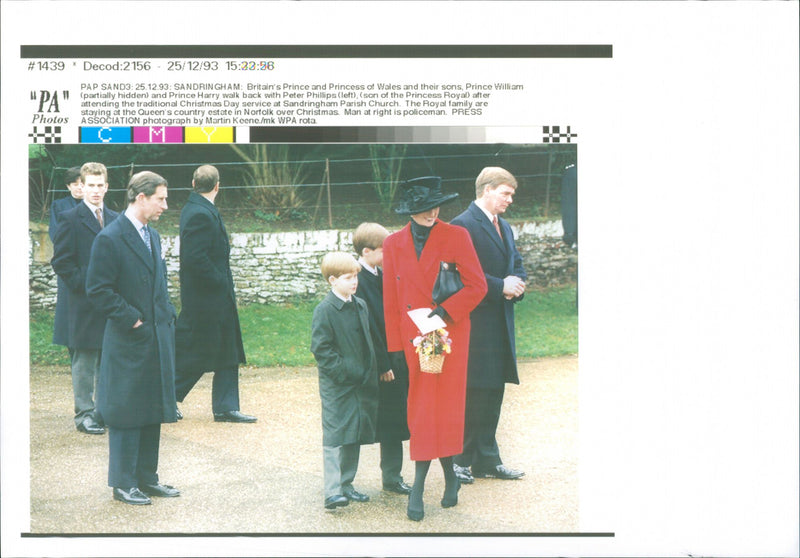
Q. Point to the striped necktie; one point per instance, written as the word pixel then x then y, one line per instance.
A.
pixel 99 213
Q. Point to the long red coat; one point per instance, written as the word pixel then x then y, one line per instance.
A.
pixel 435 401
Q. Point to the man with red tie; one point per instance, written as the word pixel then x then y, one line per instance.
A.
pixel 492 352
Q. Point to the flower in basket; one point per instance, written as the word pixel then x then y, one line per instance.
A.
pixel 431 349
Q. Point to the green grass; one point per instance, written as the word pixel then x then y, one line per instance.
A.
pixel 547 323
pixel 280 335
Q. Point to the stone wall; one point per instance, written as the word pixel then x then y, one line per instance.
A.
pixel 278 267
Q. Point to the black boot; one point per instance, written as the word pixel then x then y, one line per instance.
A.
pixel 416 508
pixel 451 483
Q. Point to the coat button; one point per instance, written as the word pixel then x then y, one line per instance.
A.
pixel 408 306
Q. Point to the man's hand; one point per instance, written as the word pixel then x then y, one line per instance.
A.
pixel 137 324
pixel 387 376
pixel 513 287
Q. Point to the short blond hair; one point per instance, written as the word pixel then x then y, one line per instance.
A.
pixel 369 235
pixel 336 264
pixel 492 177
pixel 98 169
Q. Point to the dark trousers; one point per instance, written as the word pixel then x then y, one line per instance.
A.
pixel 224 388
pixel 85 369
pixel 482 413
pixel 133 456
pixel 391 461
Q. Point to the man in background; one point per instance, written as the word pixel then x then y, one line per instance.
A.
pixel 208 337
pixel 72 247
pixel 72 179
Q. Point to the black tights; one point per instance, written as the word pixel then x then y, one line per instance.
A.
pixel 450 483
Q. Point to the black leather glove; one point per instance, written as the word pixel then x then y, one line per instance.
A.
pixel 441 312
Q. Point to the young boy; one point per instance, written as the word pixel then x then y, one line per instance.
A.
pixel 393 373
pixel 348 379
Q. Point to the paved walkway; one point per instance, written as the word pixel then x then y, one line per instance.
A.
pixel 266 478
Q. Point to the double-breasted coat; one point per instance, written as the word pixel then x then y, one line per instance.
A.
pixel 392 396
pixel 492 347
pixel 348 380
pixel 435 401
pixel 208 336
pixel 137 367
pixel 61 324
pixel 72 248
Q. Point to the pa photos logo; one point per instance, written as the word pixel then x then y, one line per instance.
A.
pixel 47 118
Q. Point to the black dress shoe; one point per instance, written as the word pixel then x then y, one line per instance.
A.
pixel 89 426
pixel 233 416
pixel 337 501
pixel 398 487
pixel 178 413
pixel 499 472
pixel 463 474
pixel 356 496
pixel 450 500
pixel 160 490
pixel 132 496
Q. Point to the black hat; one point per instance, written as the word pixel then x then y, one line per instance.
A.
pixel 419 195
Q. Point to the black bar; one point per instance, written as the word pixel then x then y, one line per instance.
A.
pixel 315 51
pixel 310 535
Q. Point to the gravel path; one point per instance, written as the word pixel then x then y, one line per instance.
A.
pixel 267 477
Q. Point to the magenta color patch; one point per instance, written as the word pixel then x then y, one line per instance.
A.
pixel 157 134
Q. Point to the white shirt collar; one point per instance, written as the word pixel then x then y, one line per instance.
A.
pixel 136 223
pixel 340 297
pixel 485 212
pixel 365 265
pixel 93 208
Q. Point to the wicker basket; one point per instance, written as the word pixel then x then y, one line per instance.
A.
pixel 432 364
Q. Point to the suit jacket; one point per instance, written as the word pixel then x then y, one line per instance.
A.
pixel 127 283
pixel 492 346
pixel 435 401
pixel 392 396
pixel 208 335
pixel 61 325
pixel 348 380
pixel 71 250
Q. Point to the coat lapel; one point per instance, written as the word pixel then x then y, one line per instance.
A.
pixel 487 227
pixel 420 268
pixel 90 221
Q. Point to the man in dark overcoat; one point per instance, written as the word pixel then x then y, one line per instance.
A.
pixel 85 324
pixel 72 179
pixel 127 282
pixel 208 337
pixel 492 351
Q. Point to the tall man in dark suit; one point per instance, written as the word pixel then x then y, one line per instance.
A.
pixel 72 247
pixel 72 179
pixel 492 351
pixel 127 282
pixel 208 337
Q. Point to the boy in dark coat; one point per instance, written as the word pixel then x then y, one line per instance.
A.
pixel 348 379
pixel 393 373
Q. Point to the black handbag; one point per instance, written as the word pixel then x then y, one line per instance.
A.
pixel 448 282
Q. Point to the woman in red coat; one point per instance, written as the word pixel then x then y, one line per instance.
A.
pixel 411 260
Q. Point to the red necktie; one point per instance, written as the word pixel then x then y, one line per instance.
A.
pixel 497 226
pixel 99 213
